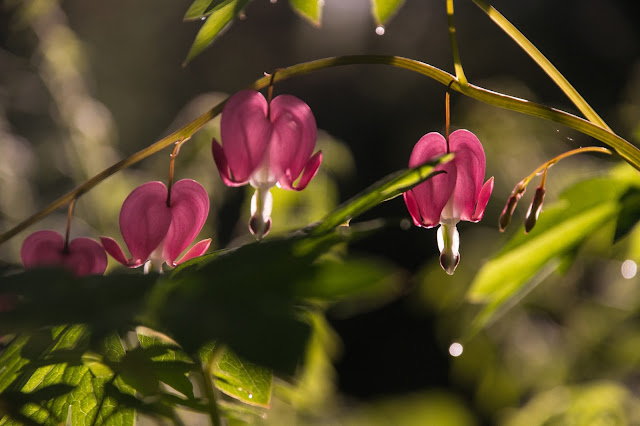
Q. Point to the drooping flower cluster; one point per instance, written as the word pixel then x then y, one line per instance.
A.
pixel 156 229
pixel 266 144
pixel 458 194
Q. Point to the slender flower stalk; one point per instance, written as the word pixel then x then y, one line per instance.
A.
pixel 536 205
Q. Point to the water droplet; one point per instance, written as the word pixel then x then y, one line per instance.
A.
pixel 455 349
pixel 250 396
pixel 380 30
pixel 629 269
pixel 202 18
pixel 242 16
pixel 273 1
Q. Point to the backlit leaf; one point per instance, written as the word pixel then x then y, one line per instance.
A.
pixel 527 259
pixel 220 16
pixel 243 380
pixel 311 10
pixel 385 189
pixel 384 9
pixel 198 9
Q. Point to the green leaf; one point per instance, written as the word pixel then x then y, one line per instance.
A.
pixel 385 189
pixel 52 297
pixel 243 380
pixel 337 280
pixel 384 9
pixel 221 15
pixel 527 259
pixel 629 214
pixel 11 362
pixel 198 9
pixel 252 309
pixel 311 10
pixel 92 403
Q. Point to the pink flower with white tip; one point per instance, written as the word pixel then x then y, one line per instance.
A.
pixel 157 228
pixel 453 196
pixel 81 256
pixel 266 144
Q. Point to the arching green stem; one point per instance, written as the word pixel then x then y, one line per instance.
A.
pixel 457 63
pixel 543 62
pixel 624 149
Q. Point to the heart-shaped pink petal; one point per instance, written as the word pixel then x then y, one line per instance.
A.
pixel 84 256
pixel 470 165
pixel 189 210
pixel 42 248
pixel 245 133
pixel 431 196
pixel 294 136
pixel 145 219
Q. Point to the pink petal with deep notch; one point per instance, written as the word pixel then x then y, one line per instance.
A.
pixel 85 257
pixel 189 210
pixel 245 133
pixel 42 248
pixel 310 170
pixel 294 136
pixel 483 200
pixel 197 250
pixel 432 195
pixel 145 220
pixel 223 166
pixel 470 165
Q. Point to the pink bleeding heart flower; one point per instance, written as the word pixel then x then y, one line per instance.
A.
pixel 82 256
pixel 265 144
pixel 449 197
pixel 157 231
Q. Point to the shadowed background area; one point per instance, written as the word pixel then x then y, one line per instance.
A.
pixel 85 83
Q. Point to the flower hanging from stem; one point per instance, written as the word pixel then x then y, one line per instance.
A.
pixel 159 223
pixel 80 256
pixel 266 143
pixel 458 194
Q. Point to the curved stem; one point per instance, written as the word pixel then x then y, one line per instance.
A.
pixel 457 63
pixel 624 149
pixel 543 62
pixel 547 164
pixel 172 161
pixel 72 205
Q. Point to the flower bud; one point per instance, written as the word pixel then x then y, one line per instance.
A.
pixel 507 212
pixel 534 210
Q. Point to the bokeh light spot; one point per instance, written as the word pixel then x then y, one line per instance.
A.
pixel 629 269
pixel 455 349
